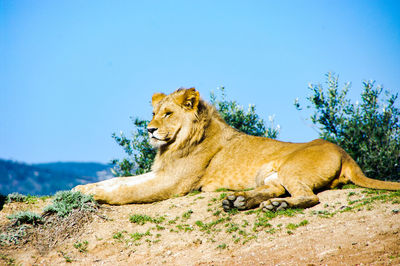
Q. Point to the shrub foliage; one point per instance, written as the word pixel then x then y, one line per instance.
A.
pixel 65 202
pixel 368 130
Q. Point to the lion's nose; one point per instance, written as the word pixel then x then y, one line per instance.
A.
pixel 151 129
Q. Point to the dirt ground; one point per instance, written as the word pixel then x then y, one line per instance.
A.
pixel 347 227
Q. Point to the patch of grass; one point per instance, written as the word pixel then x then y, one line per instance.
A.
pixel 374 195
pixel 350 186
pixel 16 197
pixel 30 199
pixel 222 196
pixel 208 227
pixel 323 214
pixel 194 192
pixel 233 211
pixel 292 226
pixel 7 260
pixel 392 257
pixel 217 213
pixel 187 215
pixel 271 231
pixel 199 198
pixel 287 212
pixel 222 246
pixel 66 201
pixel 137 236
pixel 370 196
pixel 119 235
pixel 141 219
pixel 231 227
pixel 26 217
pixel 81 246
pixel 173 221
pixel 352 193
pixel 245 223
pixel 221 189
pixel 159 227
pixel 185 227
pixel 263 218
pixel 13 235
pixel 66 257
pixel 261 223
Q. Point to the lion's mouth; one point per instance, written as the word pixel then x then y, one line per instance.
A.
pixel 165 139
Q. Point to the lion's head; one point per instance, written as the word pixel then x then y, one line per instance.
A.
pixel 173 117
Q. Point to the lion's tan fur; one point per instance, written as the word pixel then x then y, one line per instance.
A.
pixel 198 150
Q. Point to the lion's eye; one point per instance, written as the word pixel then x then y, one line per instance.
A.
pixel 153 114
pixel 167 114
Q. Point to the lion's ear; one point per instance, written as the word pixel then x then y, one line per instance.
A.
pixel 189 99
pixel 157 97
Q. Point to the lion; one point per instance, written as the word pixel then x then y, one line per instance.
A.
pixel 198 150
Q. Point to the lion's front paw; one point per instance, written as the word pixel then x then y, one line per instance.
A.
pixel 274 205
pixel 234 201
pixel 89 189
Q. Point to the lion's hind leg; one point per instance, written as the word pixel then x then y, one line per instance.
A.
pixel 249 199
pixel 301 197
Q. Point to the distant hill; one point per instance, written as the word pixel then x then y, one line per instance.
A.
pixel 48 178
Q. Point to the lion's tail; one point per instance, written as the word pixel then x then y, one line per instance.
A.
pixel 354 173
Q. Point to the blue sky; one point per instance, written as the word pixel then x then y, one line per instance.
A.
pixel 73 72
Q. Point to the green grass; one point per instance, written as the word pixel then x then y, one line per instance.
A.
pixel 187 214
pixel 292 226
pixel 17 197
pixel 81 246
pixel 119 235
pixel 141 219
pixel 137 236
pixel 64 202
pixel 350 186
pixel 193 193
pixel 222 246
pixel 222 196
pixel 13 235
pixel 7 260
pixel 369 198
pixel 66 257
pixel 26 217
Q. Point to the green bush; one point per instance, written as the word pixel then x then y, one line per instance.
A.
pixel 13 235
pixel 368 130
pixel 248 122
pixel 25 217
pixel 16 197
pixel 66 201
pixel 141 154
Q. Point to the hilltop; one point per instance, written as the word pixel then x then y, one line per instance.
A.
pixel 349 226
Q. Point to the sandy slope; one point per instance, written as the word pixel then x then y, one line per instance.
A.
pixel 368 234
